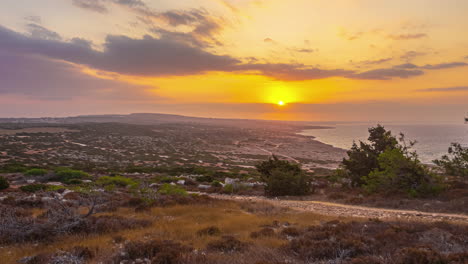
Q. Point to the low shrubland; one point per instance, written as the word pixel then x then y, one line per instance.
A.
pixel 165 224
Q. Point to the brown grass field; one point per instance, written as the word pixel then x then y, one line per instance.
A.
pixel 178 223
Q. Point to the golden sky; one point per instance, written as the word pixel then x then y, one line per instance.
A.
pixel 325 59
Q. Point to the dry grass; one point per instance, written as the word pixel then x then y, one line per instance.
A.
pixel 179 223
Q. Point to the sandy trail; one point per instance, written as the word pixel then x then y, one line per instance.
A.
pixel 334 209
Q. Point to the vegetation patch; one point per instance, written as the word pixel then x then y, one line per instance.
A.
pixel 36 172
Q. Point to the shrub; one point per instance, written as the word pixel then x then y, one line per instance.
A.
pixel 216 184
pixel 66 175
pixel 456 162
pixel 420 256
pixel 158 252
pixel 168 189
pixel 228 188
pixel 264 232
pixel 290 232
pixel 54 188
pixel 205 178
pixel 4 184
pixel 209 231
pixel 74 181
pixel 119 181
pixel 36 172
pixel 32 188
pixel 76 255
pixel 167 179
pixel 283 178
pixel 13 167
pixel 227 244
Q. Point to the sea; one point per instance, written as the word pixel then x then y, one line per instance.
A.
pixel 433 140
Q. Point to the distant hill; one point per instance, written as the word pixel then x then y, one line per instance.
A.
pixel 156 118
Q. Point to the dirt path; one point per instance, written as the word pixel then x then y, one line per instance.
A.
pixel 326 208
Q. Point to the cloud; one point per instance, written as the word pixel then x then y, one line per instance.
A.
pixel 175 54
pixel 269 40
pixel 293 72
pixel 446 89
pixel 130 3
pixel 387 74
pixel 442 66
pixel 92 5
pixel 375 62
pixel 177 17
pixel 407 66
pixel 34 19
pixel 100 5
pixel 410 55
pixel 305 50
pixel 41 32
pixel 145 56
pixel 45 79
pixel 408 36
pixel 350 36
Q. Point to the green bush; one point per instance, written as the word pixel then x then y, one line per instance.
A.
pixel 400 173
pixel 228 188
pixel 36 172
pixel 118 181
pixel 13 167
pixel 456 162
pixel 69 176
pixel 387 165
pixel 283 178
pixel 235 188
pixel 4 184
pixel 54 188
pixel 74 181
pixel 216 184
pixel 167 179
pixel 168 189
pixel 32 188
pixel 205 178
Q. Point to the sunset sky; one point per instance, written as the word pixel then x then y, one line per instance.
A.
pixel 349 60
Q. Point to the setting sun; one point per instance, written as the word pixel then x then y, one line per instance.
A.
pixel 280 103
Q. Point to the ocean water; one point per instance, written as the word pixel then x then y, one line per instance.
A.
pixel 432 140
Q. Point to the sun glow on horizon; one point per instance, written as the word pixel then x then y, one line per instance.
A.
pixel 281 103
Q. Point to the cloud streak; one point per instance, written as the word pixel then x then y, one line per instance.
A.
pixel 408 36
pixel 446 89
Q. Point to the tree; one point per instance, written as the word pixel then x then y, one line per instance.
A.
pixel 363 159
pixel 456 162
pixel 387 164
pixel 283 178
